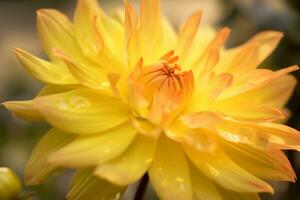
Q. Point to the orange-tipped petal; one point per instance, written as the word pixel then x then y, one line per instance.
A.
pixel 219 167
pixel 187 33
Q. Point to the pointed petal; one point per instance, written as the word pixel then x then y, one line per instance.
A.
pixel 276 93
pixel 268 41
pixel 249 55
pixel 95 149
pixel 56 32
pixel 87 186
pixel 131 165
pixel 38 168
pixel 132 48
pixel 255 79
pixel 150 30
pixel 99 36
pixel 241 60
pixel 47 72
pixel 198 46
pixel 261 136
pixel 85 72
pixel 210 57
pixel 83 28
pixel 269 164
pixel 249 112
pixel 187 33
pixel 219 167
pixel 82 111
pixel 169 172
pixel 56 89
pixel 282 136
pixel 203 187
pixel 24 110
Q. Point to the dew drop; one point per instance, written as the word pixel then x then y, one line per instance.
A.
pixel 79 102
pixel 62 105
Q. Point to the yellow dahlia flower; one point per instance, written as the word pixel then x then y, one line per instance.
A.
pixel 128 96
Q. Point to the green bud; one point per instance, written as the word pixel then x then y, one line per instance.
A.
pixel 10 185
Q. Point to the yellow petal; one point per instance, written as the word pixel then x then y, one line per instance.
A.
pixel 82 111
pixel 24 110
pixel 95 149
pixel 200 138
pixel 268 41
pixel 219 167
pixel 83 27
pixel 199 44
pixel 210 57
pixel 45 71
pixel 187 33
pixel 87 186
pixel 240 60
pixel 100 37
pixel 262 135
pixel 249 112
pixel 38 168
pixel 132 47
pixel 56 32
pixel 150 31
pixel 200 119
pixel 203 187
pixel 266 164
pixel 86 72
pixel 131 165
pixel 169 172
pixel 276 93
pixel 230 195
pixel 146 128
pixel 281 136
pixel 255 79
pixel 248 56
pixel 209 89
pixel 56 89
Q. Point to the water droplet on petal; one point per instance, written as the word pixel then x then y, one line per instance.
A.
pixel 62 105
pixel 79 102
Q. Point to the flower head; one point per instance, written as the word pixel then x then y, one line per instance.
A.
pixel 10 185
pixel 128 96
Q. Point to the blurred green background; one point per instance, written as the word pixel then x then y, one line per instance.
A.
pixel 244 17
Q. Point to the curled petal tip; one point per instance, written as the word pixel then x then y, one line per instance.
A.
pixel 42 12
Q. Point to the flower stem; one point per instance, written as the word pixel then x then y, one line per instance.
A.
pixel 142 187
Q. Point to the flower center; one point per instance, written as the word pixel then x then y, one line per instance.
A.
pixel 163 86
pixel 165 74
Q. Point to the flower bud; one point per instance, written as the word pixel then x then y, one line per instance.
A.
pixel 10 185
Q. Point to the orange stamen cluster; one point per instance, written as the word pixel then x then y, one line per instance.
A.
pixel 165 73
